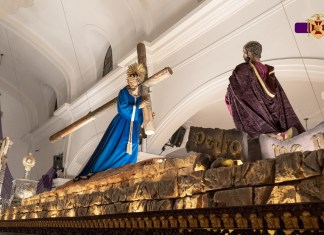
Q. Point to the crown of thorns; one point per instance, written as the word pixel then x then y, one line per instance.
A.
pixel 136 70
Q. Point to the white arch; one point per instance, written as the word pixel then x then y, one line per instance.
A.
pixel 80 159
pixel 45 49
pixel 90 31
pixel 206 94
pixel 24 100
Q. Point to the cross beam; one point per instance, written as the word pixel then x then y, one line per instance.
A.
pixel 147 110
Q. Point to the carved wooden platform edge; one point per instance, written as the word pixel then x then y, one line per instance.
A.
pixel 301 216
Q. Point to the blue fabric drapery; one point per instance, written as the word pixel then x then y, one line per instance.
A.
pixel 111 151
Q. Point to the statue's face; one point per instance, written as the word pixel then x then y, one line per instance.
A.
pixel 246 55
pixel 133 82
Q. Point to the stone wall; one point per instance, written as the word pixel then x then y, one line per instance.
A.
pixel 171 183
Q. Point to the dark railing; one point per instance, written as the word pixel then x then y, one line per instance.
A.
pixel 278 219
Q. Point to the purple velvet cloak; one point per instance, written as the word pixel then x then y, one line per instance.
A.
pixel 254 111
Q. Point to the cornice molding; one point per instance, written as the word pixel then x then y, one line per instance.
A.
pixel 216 44
pixel 206 16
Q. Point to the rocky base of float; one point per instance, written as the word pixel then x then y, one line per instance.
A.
pixel 167 196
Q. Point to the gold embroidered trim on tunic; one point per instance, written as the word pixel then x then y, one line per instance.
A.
pixel 262 82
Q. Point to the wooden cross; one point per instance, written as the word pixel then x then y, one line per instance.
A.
pixel 147 110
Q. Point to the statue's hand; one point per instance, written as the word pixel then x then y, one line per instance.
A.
pixel 144 103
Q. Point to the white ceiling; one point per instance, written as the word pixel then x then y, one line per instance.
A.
pixel 54 49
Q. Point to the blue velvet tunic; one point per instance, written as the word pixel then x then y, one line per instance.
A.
pixel 111 151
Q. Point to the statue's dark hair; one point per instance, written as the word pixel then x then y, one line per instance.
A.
pixel 254 47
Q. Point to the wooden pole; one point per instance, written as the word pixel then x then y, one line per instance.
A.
pixel 147 110
pixel 82 121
